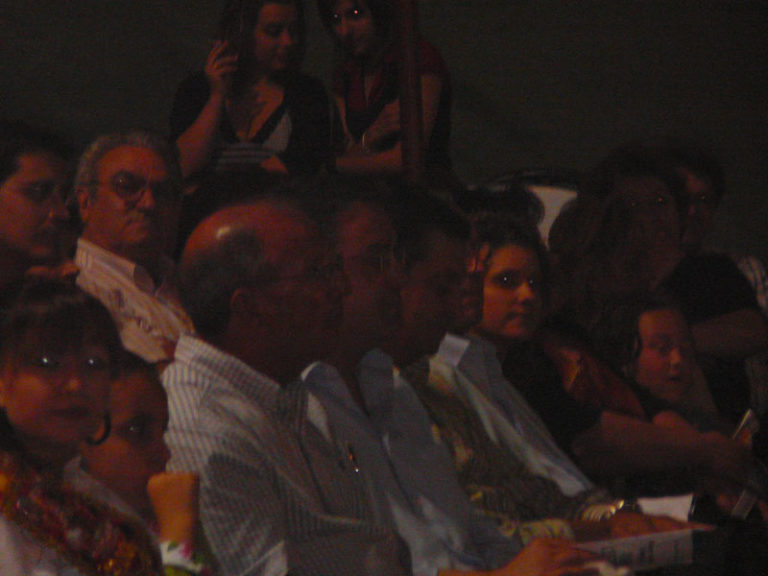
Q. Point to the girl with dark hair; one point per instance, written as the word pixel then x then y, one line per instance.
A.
pixel 251 108
pixel 57 354
pixel 366 89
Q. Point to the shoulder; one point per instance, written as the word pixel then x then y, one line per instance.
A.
pixel 430 60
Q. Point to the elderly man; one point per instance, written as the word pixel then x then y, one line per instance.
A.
pixel 278 492
pixel 408 474
pixel 129 191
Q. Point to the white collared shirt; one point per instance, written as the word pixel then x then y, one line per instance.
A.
pixel 150 318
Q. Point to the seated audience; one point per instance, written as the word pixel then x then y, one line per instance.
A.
pixel 605 443
pixel 58 351
pixel 629 245
pixel 127 469
pixel 278 493
pixel 704 188
pixel 34 181
pixel 366 89
pixel 251 108
pixel 128 189
pixel 408 475
pixel 649 342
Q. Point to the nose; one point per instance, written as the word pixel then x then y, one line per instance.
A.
pixel 71 377
pixel 676 357
pixel 287 38
pixel 58 210
pixel 147 201
pixel 341 29
pixel 526 292
pixel 394 275
pixel 161 455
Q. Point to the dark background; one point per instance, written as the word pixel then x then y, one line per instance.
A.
pixel 537 83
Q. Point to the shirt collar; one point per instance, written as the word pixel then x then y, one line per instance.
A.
pixel 87 250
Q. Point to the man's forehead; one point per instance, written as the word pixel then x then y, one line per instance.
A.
pixel 138 159
pixel 365 226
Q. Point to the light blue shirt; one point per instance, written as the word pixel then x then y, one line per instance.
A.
pixel 277 491
pixel 472 365
pixel 409 476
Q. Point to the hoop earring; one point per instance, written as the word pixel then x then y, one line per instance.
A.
pixel 107 429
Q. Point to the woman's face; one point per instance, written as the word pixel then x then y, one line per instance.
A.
pixel 354 28
pixel 32 211
pixel 665 361
pixel 276 38
pixel 512 298
pixel 55 398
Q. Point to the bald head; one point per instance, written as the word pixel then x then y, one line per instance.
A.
pixel 255 281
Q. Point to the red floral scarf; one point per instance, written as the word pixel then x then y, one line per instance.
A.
pixel 96 539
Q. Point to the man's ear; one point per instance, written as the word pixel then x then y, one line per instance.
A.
pixel 85 202
pixel 245 303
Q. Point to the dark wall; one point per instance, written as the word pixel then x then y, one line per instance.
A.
pixel 536 83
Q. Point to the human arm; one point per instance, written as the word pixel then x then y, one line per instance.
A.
pixel 542 557
pixel 621 445
pixel 734 335
pixel 360 157
pixel 196 142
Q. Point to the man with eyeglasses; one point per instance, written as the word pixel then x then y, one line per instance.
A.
pixel 377 417
pixel 279 494
pixel 128 189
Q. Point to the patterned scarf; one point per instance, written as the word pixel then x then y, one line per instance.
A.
pixel 96 539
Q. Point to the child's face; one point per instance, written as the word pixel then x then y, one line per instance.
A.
pixel 665 363
pixel 55 399
pixel 135 450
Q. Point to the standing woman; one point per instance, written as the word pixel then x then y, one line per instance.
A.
pixel 366 89
pixel 57 354
pixel 251 108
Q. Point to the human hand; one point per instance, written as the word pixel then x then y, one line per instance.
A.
pixel 174 497
pixel 274 165
pixel 220 67
pixel 65 271
pixel 386 124
pixel 550 557
pixel 724 461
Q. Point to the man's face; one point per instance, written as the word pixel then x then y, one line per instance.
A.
pixel 431 294
pixel 702 204
pixel 372 307
pixel 32 212
pixel 304 302
pixel 135 204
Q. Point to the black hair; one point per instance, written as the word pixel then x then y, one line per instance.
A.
pixel 66 316
pixel 382 13
pixel 418 214
pixel 502 229
pixel 239 18
pixel 18 138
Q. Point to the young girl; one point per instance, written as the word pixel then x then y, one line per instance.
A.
pixel 58 350
pixel 127 470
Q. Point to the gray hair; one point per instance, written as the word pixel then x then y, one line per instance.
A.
pixel 88 166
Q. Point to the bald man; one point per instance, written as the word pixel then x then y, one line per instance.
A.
pixel 278 493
